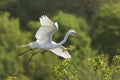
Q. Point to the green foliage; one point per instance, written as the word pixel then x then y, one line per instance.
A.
pixel 64 71
pixel 102 69
pixel 11 78
pixel 33 25
pixel 105 34
pixel 82 49
pixel 4 4
pixel 10 37
pixel 10 32
pixel 28 10
pixel 80 52
pixel 105 31
pixel 81 42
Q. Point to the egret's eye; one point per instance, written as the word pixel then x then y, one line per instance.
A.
pixel 73 33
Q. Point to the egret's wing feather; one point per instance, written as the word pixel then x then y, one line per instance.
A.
pixel 47 29
pixel 61 51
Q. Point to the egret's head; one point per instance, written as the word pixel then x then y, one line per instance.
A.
pixel 72 32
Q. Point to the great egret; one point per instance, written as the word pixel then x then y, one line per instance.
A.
pixel 44 38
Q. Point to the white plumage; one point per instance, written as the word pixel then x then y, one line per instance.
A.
pixel 44 38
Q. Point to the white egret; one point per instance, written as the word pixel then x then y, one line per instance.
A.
pixel 44 38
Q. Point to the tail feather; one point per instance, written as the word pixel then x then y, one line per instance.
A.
pixel 24 45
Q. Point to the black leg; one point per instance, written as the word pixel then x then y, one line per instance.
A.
pixel 23 53
pixel 31 58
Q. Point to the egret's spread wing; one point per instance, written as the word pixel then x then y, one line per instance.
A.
pixel 45 32
pixel 61 51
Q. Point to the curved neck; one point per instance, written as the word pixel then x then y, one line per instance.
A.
pixel 65 39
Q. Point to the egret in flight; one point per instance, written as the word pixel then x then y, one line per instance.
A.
pixel 44 38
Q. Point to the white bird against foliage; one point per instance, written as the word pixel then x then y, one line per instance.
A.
pixel 44 38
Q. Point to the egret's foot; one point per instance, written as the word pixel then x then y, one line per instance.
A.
pixel 70 48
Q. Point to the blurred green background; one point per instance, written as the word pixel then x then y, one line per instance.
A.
pixel 97 22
